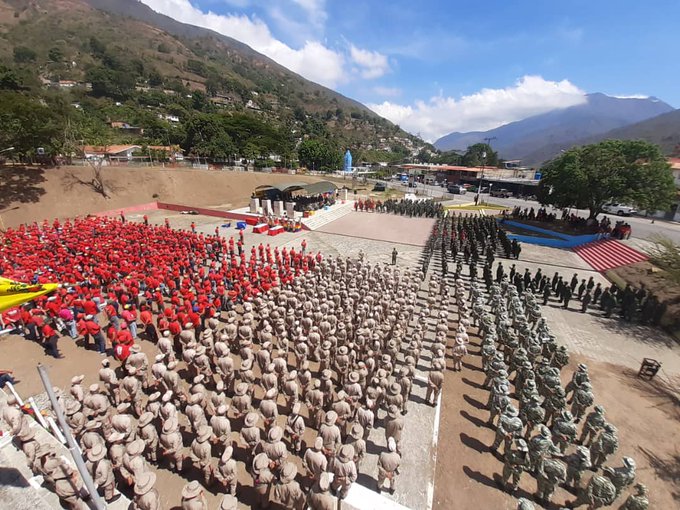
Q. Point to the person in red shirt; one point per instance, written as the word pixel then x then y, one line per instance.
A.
pixel 50 339
pixel 96 331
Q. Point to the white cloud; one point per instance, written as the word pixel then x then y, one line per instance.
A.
pixel 312 60
pixel 483 110
pixel 387 91
pixel 631 96
pixel 372 64
pixel 316 10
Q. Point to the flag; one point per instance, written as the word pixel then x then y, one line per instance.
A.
pixel 15 293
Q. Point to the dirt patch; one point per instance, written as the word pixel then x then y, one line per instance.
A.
pixel 33 194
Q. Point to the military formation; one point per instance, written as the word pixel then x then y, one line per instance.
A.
pixel 628 303
pixel 536 418
pixel 284 389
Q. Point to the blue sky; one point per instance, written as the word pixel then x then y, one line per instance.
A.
pixel 436 66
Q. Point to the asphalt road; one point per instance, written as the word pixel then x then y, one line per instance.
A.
pixel 642 228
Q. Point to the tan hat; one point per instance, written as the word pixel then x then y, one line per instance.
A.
pixel 123 407
pixel 144 482
pixel 251 419
pixel 72 407
pixel 204 433
pixel 191 490
pixel 167 396
pixel 136 348
pixel 229 502
pixel 77 379
pixel 114 437
pixel 324 482
pixel 154 396
pixel 354 376
pixel 227 453
pixel 97 452
pixel 343 350
pixel 241 389
pixel 330 418
pixel 92 424
pixel 94 388
pixel 288 472
pixel 357 431
pixel 395 389
pixel 196 398
pixel 261 461
pixel 135 447
pixel 393 411
pixel 318 443
pixel 145 418
pixel 222 410
pixel 275 434
pixel 346 453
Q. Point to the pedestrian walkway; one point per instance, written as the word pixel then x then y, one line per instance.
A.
pixel 608 254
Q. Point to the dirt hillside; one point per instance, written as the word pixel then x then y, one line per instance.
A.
pixel 34 194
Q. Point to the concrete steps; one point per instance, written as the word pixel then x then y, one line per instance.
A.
pixel 322 218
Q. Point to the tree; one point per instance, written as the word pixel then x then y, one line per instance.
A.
pixel 475 155
pixel 56 54
pixel 24 55
pixel 588 177
pixel 319 155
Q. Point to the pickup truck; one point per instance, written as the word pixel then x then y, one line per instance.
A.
pixel 501 193
pixel 456 189
pixel 618 209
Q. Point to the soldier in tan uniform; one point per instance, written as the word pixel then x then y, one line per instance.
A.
pixel 344 471
pixel 102 472
pixel 262 479
pixel 320 497
pixel 295 428
pixel 193 497
pixel 435 380
pixel 146 431
pixel 314 460
pixel 146 495
pixel 171 444
pixel 227 470
pixel 288 492
pixel 201 452
pixel 356 439
pixel 330 434
pixel 394 424
pixel 388 465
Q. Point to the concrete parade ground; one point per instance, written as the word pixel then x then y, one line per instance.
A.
pixel 446 461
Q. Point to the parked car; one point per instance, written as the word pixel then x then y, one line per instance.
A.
pixel 456 189
pixel 380 186
pixel 618 209
pixel 500 193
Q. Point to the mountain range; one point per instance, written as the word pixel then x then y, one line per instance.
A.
pixel 540 137
pixel 150 47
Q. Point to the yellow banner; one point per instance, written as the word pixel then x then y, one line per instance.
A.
pixel 15 293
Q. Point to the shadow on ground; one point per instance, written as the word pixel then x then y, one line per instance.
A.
pixel 19 184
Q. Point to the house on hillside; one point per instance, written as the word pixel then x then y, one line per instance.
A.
pixel 110 152
pixel 128 128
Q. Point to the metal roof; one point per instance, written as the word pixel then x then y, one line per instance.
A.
pixel 311 188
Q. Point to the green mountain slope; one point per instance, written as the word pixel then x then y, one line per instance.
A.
pixel 150 71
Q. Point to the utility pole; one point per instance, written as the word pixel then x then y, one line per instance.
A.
pixel 487 140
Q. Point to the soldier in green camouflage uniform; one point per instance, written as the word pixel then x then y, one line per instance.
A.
pixel 540 447
pixel 516 462
pixel 622 477
pixel 606 443
pixel 577 463
pixel 594 423
pixel 554 473
pixel 509 428
pixel 578 377
pixel 637 501
pixel 564 430
pixel 583 398
pixel 599 493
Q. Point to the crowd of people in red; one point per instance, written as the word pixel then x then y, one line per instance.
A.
pixel 133 273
